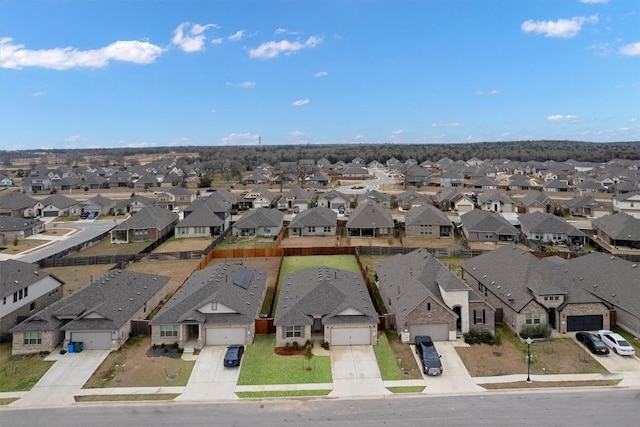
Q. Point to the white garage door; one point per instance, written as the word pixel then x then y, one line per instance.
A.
pixel 437 331
pixel 350 336
pixel 93 340
pixel 224 336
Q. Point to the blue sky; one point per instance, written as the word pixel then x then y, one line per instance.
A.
pixel 169 73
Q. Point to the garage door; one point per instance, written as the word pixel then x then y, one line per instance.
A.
pixel 584 323
pixel 50 214
pixel 350 336
pixel 437 331
pixel 93 340
pixel 225 336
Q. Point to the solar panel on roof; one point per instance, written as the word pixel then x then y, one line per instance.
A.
pixel 243 278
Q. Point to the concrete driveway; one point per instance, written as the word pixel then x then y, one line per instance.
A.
pixel 628 366
pixel 209 379
pixel 64 379
pixel 455 379
pixel 355 372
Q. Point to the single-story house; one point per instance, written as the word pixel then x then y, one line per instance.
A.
pixel 545 227
pixel 427 221
pixel 16 204
pixel 99 314
pixel 328 304
pixel 148 224
pixel 370 219
pixel 425 298
pixel 410 199
pixel 296 199
pixel 24 290
pixel 217 305
pixel 530 291
pixel 495 201
pixel 263 222
pixel 316 221
pixel 53 206
pixel 486 226
pixel 619 229
pixel 258 198
pixel 375 196
pixel 334 200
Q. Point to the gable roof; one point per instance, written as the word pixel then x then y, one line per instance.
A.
pixel 216 284
pixel 370 215
pixel 59 201
pixel 619 226
pixel 16 200
pixel 16 275
pixel 323 292
pixel 486 221
pixel 148 217
pixel 541 222
pixel 426 214
pixel 318 217
pixel 12 223
pixel 114 297
pixel 261 217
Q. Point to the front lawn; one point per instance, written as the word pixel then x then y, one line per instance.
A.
pixel 20 373
pixel 389 367
pixel 262 366
pixel 395 358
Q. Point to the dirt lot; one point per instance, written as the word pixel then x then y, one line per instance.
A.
pixel 430 242
pixel 309 242
pixel 183 245
pixel 75 277
pixel 137 364
pixel 21 246
pixel 556 356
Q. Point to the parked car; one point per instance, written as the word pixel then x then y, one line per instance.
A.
pixel 84 215
pixel 592 342
pixel 431 364
pixel 233 356
pixel 616 342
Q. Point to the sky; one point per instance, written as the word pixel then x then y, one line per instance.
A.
pixel 143 73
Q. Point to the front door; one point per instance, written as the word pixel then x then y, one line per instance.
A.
pixel 551 313
pixel 458 310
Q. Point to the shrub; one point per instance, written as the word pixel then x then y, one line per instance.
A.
pixel 308 343
pixel 287 345
pixel 295 345
pixel 479 337
pixel 325 345
pixel 535 331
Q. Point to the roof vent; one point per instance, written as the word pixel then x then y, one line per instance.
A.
pixel 484 277
pixel 493 283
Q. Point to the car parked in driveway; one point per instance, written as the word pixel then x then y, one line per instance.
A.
pixel 431 364
pixel 616 342
pixel 592 342
pixel 233 356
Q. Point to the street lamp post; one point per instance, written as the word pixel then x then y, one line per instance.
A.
pixel 529 359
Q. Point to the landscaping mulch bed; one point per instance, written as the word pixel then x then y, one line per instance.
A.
pixel 283 351
pixel 166 351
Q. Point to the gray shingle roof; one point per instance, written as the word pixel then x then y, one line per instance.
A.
pixel 541 222
pixel 426 215
pixel 261 217
pixel 370 215
pixel 149 217
pixel 115 296
pixel 317 217
pixel 215 284
pixel 325 292
pixel 619 226
pixel 16 275
pixel 485 221
pixel 16 200
pixel 12 223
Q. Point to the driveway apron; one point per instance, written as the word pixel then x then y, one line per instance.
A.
pixel 355 372
pixel 455 378
pixel 64 379
pixel 210 380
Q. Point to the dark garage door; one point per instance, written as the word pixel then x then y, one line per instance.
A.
pixel 50 213
pixel 584 323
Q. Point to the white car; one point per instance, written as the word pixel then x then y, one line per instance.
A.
pixel 616 342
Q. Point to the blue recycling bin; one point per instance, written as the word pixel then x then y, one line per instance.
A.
pixel 70 347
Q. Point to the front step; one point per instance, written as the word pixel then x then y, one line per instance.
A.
pixel 188 350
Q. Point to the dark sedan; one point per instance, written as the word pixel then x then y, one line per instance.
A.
pixel 592 342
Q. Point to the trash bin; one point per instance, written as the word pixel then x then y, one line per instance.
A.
pixel 70 347
pixel 77 347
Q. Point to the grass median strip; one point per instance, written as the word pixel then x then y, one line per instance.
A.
pixel 548 384
pixel 389 368
pixel 282 393
pixel 406 389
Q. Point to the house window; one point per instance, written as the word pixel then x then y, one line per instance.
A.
pixel 267 231
pixel 428 306
pixel 311 229
pixel 32 306
pixel 327 229
pixel 33 338
pixel 140 232
pixel 293 332
pixel 556 298
pixel 546 298
pixel 26 291
pixel 214 306
pixel 15 297
pixel 532 318
pixel 426 230
pixel 168 330
pixel 478 317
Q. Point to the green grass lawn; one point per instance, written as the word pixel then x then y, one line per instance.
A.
pixel 20 373
pixel 282 393
pixel 291 264
pixel 389 369
pixel 407 389
pixel 261 365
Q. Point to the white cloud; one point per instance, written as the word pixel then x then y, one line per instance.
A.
pixel 594 1
pixel 300 102
pixel 191 38
pixel 320 74
pixel 216 41
pixel 632 49
pixel 73 138
pixel 565 28
pixel 243 85
pixel 236 36
pixel 563 118
pixel 15 56
pixel 240 139
pixel 285 31
pixel 489 92
pixel 445 125
pixel 297 134
pixel 601 49
pixel 273 49
pixel 397 132
pixel 38 93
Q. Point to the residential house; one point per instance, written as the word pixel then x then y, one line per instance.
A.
pixel 375 196
pixel 425 298
pixel 628 203
pixel 205 218
pixel 485 183
pixel 217 305
pixel 618 230
pixel 520 183
pixel 316 221
pixel 12 228
pixel 454 200
pixel 5 181
pixel 370 219
pixel 175 197
pixel 354 172
pixel 486 226
pixel 496 201
pixel 451 179
pixel 535 202
pixel 99 314
pixel 259 197
pixel 410 199
pixel 334 200
pixel 326 304
pixel 530 291
pixel 586 206
pixel 148 224
pixel 548 228
pixel 418 176
pixel 35 184
pixel 17 204
pixel 296 199
pixel 54 206
pixel 556 186
pixel 427 221
pixel 589 187
pixel 260 222
pixel 133 205
pixel 24 290
pixel 318 179
pixel 95 206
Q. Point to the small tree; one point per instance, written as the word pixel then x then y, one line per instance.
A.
pixel 308 355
